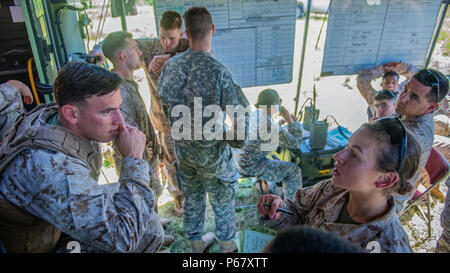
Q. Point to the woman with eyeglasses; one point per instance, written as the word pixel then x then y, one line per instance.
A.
pixel 357 203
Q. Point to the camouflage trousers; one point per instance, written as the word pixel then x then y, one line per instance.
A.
pixel 284 178
pixel 221 195
pixel 168 159
pixel 443 244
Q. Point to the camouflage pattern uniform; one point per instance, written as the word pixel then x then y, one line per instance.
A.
pixel 423 129
pixel 64 191
pixel 203 165
pixel 11 107
pixel 443 244
pixel 134 113
pixel 365 77
pixel 319 206
pixel 251 160
pixel 151 48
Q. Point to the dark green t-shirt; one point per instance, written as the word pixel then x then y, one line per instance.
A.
pixel 344 217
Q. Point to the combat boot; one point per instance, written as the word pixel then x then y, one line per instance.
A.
pixel 178 205
pixel 227 246
pixel 199 246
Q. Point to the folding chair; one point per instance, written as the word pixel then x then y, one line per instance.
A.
pixel 438 170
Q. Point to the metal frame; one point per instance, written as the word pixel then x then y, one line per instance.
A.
pixel 305 35
pixel 427 193
pixel 436 35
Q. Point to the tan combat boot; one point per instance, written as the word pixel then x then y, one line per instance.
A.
pixel 227 246
pixel 199 246
pixel 178 205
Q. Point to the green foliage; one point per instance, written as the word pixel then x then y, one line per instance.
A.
pixel 108 159
pixel 107 163
pixel 150 2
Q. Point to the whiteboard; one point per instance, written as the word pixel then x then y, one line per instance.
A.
pixel 361 36
pixel 253 38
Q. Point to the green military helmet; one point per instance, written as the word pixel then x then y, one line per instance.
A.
pixel 268 97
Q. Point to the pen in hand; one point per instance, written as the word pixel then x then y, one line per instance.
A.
pixel 280 209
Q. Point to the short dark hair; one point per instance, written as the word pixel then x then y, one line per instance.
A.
pixel 198 22
pixel 434 79
pixel 114 42
pixel 170 20
pixel 78 81
pixel 388 159
pixel 391 73
pixel 385 95
pixel 305 239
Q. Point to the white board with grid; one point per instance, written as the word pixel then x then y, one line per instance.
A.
pixel 253 38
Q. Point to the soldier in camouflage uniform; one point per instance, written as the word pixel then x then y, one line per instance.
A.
pixel 50 165
pixel 384 103
pixel 357 203
pixel 284 178
pixel 416 103
pixel 203 166
pixel 390 73
pixel 122 50
pixel 155 52
pixel 11 105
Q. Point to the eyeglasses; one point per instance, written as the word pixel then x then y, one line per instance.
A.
pixel 433 83
pixel 396 134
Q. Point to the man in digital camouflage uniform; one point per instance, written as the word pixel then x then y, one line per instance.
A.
pixel 284 178
pixel 390 74
pixel 155 52
pixel 11 105
pixel 50 165
pixel 416 104
pixel 122 50
pixel 193 80
pixel 384 103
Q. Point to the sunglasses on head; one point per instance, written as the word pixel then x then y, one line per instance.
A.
pixel 396 135
pixel 430 79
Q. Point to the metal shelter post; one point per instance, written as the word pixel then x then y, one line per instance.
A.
pixel 433 44
pixel 123 13
pixel 305 36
